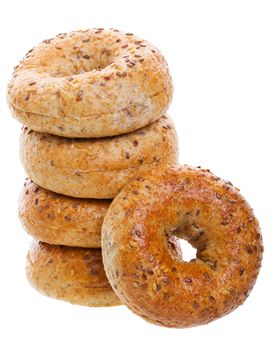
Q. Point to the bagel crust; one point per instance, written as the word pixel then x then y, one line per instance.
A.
pixel 57 219
pixel 90 83
pixel 212 216
pixel 97 168
pixel 71 274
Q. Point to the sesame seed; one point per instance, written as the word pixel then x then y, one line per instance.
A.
pixel 212 299
pixel 241 271
pixel 238 230
pixel 187 181
pixel 79 96
pixel 224 223
pixel 188 280
pixel 121 74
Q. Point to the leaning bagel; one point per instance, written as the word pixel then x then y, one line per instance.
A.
pixel 195 205
pixel 70 274
pixel 90 83
pixel 97 168
pixel 57 219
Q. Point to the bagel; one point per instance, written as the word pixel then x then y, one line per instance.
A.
pixel 212 216
pixel 97 168
pixel 90 83
pixel 71 274
pixel 61 220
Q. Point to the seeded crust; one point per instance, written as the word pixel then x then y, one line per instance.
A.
pixel 57 219
pixel 90 83
pixel 71 274
pixel 196 205
pixel 97 168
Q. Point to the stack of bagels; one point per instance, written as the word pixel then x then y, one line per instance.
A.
pixel 93 107
pixel 104 199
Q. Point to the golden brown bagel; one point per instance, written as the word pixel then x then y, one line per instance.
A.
pixel 90 83
pixel 70 274
pixel 57 219
pixel 97 168
pixel 196 205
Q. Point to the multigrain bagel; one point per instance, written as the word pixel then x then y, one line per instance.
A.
pixel 90 83
pixel 57 219
pixel 71 274
pixel 208 212
pixel 97 168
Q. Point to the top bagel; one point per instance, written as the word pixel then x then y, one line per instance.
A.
pixel 90 83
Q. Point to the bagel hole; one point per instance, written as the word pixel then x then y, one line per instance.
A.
pixel 180 248
pixel 188 252
pixel 190 236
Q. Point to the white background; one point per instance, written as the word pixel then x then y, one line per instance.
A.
pixel 221 57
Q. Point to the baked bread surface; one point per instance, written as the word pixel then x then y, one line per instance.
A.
pixel 71 274
pixel 97 168
pixel 57 219
pixel 195 205
pixel 90 83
